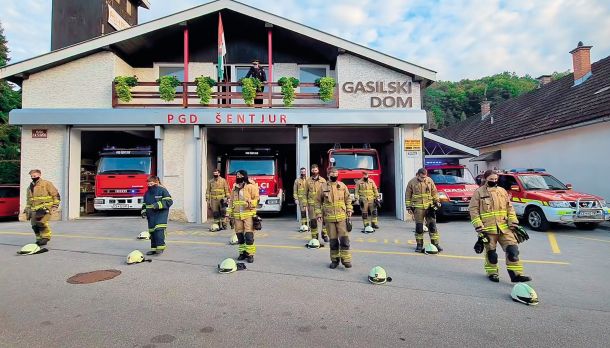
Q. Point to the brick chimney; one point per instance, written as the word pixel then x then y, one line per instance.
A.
pixel 485 108
pixel 543 80
pixel 581 59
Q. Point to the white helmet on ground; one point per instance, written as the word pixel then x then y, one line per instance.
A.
pixel 144 235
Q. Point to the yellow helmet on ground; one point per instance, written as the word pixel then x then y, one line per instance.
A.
pixel 135 256
pixel 29 249
pixel 233 240
pixel 313 244
pixel 378 275
pixel 227 266
pixel 524 293
pixel 214 228
pixel 144 235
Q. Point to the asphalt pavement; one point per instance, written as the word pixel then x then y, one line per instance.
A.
pixel 289 296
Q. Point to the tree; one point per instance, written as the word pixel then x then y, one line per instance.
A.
pixel 10 136
pixel 452 102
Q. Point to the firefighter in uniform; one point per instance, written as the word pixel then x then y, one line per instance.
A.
pixel 421 199
pixel 216 196
pixel 42 200
pixel 157 201
pixel 367 195
pixel 334 207
pixel 300 195
pixel 492 216
pixel 314 183
pixel 242 208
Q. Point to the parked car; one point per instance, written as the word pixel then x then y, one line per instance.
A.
pixel 9 201
pixel 455 186
pixel 540 199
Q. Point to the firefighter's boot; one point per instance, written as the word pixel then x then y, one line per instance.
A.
pixel 438 246
pixel 518 278
pixel 419 248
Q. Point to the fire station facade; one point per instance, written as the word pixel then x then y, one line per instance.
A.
pixel 70 102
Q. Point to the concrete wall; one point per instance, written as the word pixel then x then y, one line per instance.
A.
pixel 353 69
pixel 48 155
pixel 83 83
pixel 577 156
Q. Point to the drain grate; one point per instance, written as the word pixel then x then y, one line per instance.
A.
pixel 93 277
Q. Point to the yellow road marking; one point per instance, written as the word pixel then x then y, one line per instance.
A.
pixel 401 253
pixel 385 241
pixel 396 241
pixel 553 242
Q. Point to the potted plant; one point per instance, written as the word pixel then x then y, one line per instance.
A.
pixel 204 88
pixel 288 85
pixel 249 87
pixel 167 87
pixel 123 85
pixel 327 88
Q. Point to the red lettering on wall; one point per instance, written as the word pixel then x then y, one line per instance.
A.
pixel 182 118
pixel 283 119
pixel 194 118
pixel 170 118
pixel 218 117
pixel 229 118
pixel 241 118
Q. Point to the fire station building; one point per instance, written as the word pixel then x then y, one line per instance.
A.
pixel 72 109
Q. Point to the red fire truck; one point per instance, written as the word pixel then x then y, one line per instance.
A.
pixel 263 166
pixel 351 162
pixel 120 182
pixel 455 186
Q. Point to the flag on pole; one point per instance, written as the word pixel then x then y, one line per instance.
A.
pixel 222 49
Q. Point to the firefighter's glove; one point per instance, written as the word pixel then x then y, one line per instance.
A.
pixel 479 229
pixel 143 214
pixel 479 246
pixel 377 203
pixel 257 223
pixel 520 234
pixel 431 212
pixel 232 223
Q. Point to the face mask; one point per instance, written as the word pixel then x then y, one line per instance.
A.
pixel 239 180
pixel 150 184
pixel 216 175
pixel 421 178
pixel 302 175
pixel 366 178
pixel 35 179
pixel 492 183
pixel 333 178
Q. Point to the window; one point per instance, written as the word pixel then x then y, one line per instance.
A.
pixel 451 176
pixel 242 71
pixel 541 182
pixel 124 165
pixel 9 192
pixel 252 166
pixel 506 181
pixel 355 161
pixel 175 70
pixel 310 75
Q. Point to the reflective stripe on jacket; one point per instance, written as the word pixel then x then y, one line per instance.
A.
pixel 244 201
pixel 218 188
pixel 300 189
pixel 42 195
pixel 366 190
pixel 333 202
pixel 313 187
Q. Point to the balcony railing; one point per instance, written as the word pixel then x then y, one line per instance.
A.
pixel 224 95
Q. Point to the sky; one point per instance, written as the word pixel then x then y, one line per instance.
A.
pixel 457 38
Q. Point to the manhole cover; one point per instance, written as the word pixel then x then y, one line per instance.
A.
pixel 93 277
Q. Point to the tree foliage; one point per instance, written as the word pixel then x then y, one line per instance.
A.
pixel 10 136
pixel 452 102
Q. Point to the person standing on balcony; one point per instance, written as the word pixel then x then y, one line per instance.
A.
pixel 42 200
pixel 259 73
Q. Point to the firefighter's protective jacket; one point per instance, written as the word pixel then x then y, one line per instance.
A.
pixel 300 190
pixel 157 201
pixel 366 190
pixel 333 202
pixel 243 201
pixel 41 195
pixel 218 188
pixel 490 209
pixel 313 187
pixel 421 194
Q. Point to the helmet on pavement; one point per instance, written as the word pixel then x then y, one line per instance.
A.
pixel 233 240
pixel 525 294
pixel 214 228
pixel 378 275
pixel 369 229
pixel 227 266
pixel 144 235
pixel 430 249
pixel 425 228
pixel 303 228
pixel 313 244
pixel 135 256
pixel 29 249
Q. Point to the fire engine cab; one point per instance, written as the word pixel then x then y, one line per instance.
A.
pixel 455 186
pixel 120 182
pixel 540 199
pixel 264 167
pixel 351 162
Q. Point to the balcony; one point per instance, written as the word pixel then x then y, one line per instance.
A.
pixel 224 95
